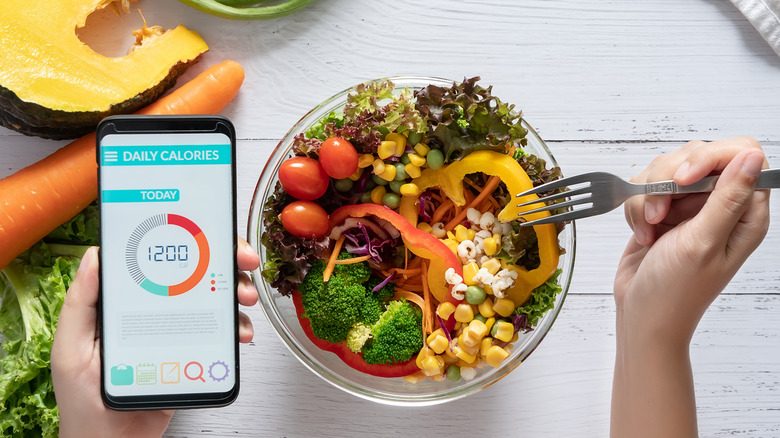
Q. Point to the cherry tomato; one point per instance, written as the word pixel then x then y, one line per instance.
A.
pixel 304 219
pixel 338 157
pixel 303 178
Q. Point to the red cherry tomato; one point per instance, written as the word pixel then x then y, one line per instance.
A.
pixel 338 157
pixel 303 178
pixel 304 219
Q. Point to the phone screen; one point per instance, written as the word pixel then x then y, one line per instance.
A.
pixel 168 270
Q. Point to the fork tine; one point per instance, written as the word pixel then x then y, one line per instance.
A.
pixel 566 204
pixel 555 196
pixel 563 217
pixel 559 183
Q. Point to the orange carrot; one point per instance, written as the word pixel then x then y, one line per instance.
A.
pixel 441 210
pixel 491 185
pixel 40 197
pixel 332 259
pixel 352 260
pixel 409 296
pixel 427 314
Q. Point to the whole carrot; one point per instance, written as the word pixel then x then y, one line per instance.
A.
pixel 37 199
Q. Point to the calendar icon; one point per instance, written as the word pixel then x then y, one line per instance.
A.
pixel 146 374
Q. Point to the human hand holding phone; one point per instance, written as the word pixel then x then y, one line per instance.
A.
pixel 76 358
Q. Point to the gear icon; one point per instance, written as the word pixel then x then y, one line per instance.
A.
pixel 220 375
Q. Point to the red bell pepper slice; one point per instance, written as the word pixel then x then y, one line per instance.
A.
pixel 354 360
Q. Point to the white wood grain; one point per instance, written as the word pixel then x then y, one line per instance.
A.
pixel 609 84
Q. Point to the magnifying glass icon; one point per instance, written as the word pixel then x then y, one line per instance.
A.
pixel 194 376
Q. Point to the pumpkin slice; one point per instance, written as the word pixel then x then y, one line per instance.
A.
pixel 53 85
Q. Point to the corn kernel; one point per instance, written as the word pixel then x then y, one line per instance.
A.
pixel 451 235
pixel 476 330
pixel 356 176
pixel 416 160
pixel 438 343
pixel 460 233
pixel 464 312
pixel 471 234
pixel 489 323
pixel 504 331
pixel 445 309
pixel 465 355
pixel 449 357
pixel 469 271
pixel 492 265
pixel 412 170
pixel 365 160
pixel 495 356
pixel 503 306
pixel 485 308
pixel 410 189
pixel 425 226
pixel 466 342
pixel 379 166
pixel 485 345
pixel 433 335
pixel 490 246
pixel 415 378
pixel 377 194
pixel 400 143
pixel 388 174
pixel 432 365
pixel 451 244
pixel 386 149
pixel 422 149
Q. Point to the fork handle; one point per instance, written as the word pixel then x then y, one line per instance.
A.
pixel 769 179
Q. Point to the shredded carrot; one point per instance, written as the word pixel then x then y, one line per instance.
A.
pixel 332 259
pixel 441 210
pixel 410 296
pixel 406 271
pixel 486 191
pixel 352 260
pixel 427 313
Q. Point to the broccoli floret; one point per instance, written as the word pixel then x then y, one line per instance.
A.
pixel 374 304
pixel 331 307
pixel 357 336
pixel 397 336
pixel 353 272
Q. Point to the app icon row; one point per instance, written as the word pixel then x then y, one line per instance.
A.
pixel 167 373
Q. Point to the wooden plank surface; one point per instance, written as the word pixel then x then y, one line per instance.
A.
pixel 609 84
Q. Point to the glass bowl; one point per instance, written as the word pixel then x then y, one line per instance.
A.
pixel 280 310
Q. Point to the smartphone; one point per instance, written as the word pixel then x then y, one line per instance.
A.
pixel 168 274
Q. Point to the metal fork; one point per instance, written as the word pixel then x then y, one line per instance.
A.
pixel 603 192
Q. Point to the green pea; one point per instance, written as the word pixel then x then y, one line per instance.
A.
pixel 405 159
pixel 370 184
pixel 435 159
pixel 379 181
pixel 414 138
pixel 343 185
pixel 475 295
pixel 453 373
pixel 400 172
pixel 396 186
pixel 365 198
pixel 480 318
pixel 391 200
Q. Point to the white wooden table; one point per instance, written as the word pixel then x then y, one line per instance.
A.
pixel 609 85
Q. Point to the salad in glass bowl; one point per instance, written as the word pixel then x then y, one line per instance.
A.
pixel 393 263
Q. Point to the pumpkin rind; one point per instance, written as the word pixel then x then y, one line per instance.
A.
pixel 53 85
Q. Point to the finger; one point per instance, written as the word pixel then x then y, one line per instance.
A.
pixel 685 208
pixel 245 329
pixel 712 157
pixel 248 259
pixel 729 201
pixel 663 168
pixel 78 317
pixel 247 294
pixel 751 228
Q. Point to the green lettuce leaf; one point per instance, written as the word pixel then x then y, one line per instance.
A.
pixel 542 300
pixel 32 290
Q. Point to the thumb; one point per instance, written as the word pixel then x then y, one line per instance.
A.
pixel 78 317
pixel 730 200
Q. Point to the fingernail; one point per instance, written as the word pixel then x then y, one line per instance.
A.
pixel 683 170
pixel 651 211
pixel 752 165
pixel 88 259
pixel 640 235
